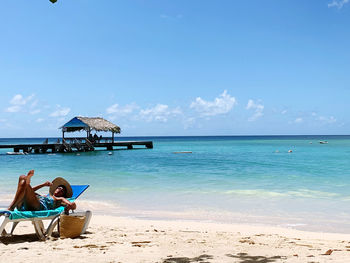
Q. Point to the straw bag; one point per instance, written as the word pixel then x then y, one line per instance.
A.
pixel 71 226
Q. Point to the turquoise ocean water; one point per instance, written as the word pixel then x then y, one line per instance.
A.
pixel 240 179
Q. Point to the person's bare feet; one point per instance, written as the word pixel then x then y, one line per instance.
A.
pixel 29 176
pixel 11 208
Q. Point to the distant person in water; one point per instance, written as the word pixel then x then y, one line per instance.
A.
pixel 26 199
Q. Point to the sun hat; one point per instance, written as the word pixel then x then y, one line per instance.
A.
pixel 60 181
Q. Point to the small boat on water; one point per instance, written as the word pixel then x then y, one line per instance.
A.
pixel 16 153
pixel 323 142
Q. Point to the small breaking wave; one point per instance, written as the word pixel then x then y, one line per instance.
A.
pixel 301 193
pixel 255 192
pixel 100 206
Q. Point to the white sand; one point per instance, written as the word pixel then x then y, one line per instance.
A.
pixel 115 239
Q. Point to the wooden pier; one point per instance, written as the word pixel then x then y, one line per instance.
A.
pixel 69 145
pixel 80 144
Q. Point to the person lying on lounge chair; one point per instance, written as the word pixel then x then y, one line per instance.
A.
pixel 26 199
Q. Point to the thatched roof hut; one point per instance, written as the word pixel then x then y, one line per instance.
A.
pixel 88 124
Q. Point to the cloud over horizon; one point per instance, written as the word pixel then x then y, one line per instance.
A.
pixel 121 111
pixel 298 120
pixel 18 102
pixel 160 112
pixel 328 120
pixel 60 112
pixel 338 3
pixel 257 107
pixel 221 105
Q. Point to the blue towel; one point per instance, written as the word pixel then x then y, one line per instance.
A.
pixel 32 214
pixel 16 214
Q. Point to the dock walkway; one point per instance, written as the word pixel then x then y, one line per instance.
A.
pixel 75 145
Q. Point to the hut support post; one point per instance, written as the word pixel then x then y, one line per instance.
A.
pixel 62 135
pixel 113 137
pixel 89 134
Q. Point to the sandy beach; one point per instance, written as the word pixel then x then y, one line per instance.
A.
pixel 120 239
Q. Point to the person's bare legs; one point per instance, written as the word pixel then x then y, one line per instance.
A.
pixel 21 189
pixel 30 197
pixel 25 193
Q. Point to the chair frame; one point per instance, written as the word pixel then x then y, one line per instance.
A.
pixel 40 230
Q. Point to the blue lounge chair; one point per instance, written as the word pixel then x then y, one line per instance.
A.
pixel 37 217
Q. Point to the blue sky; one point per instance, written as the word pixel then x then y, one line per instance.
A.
pixel 168 67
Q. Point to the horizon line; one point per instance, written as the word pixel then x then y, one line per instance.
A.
pixel 242 135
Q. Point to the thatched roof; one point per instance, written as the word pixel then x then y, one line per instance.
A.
pixel 90 123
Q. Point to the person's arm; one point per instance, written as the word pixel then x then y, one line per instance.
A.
pixel 64 201
pixel 36 188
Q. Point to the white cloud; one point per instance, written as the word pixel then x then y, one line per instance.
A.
pixel 39 120
pixel 324 119
pixel 189 122
pixel 160 112
pixel 338 3
pixel 329 120
pixel 34 103
pixel 60 112
pixel 14 108
pixel 298 120
pixel 33 112
pixel 117 110
pixel 284 112
pixel 258 108
pixel 18 102
pixel 221 105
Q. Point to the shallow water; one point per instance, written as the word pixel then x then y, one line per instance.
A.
pixel 247 179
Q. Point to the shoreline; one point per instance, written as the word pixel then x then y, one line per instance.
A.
pixel 310 222
pixel 220 217
pixel 121 239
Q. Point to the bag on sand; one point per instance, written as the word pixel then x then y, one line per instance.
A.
pixel 71 226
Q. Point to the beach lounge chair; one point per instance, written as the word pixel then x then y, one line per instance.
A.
pixel 37 217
